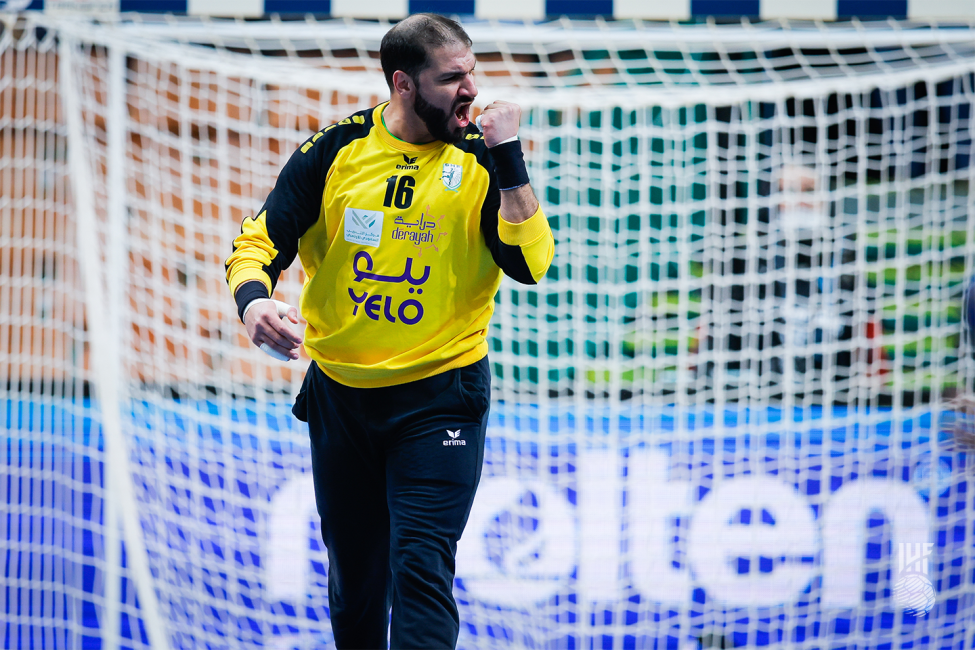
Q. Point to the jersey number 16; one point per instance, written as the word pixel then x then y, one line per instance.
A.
pixel 400 193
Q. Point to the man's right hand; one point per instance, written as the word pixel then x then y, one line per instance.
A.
pixel 265 326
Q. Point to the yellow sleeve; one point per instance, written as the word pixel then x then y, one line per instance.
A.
pixel 534 237
pixel 253 253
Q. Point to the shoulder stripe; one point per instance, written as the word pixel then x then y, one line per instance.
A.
pixel 344 135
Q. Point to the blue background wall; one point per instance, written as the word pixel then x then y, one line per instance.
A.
pixel 538 9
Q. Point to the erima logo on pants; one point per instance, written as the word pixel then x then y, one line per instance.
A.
pixel 454 435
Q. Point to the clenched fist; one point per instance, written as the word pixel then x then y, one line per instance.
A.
pixel 499 121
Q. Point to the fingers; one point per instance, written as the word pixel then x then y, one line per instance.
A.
pixel 499 121
pixel 277 334
pixel 269 332
pixel 280 356
pixel 276 346
pixel 501 108
pixel 286 310
pixel 266 319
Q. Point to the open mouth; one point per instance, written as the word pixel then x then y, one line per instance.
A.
pixel 463 115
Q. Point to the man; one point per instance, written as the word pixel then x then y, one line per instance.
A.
pixel 404 217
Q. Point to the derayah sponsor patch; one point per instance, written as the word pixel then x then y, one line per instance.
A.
pixel 363 226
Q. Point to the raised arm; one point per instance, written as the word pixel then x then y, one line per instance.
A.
pixel 524 245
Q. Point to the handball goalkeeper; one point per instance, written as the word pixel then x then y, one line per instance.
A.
pixel 404 217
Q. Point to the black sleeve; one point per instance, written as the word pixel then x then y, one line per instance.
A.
pixel 295 203
pixel 248 291
pixel 293 206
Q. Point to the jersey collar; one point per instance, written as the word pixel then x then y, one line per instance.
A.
pixel 392 140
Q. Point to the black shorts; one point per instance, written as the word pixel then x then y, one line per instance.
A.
pixel 395 469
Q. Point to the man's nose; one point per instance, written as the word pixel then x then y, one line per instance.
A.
pixel 468 86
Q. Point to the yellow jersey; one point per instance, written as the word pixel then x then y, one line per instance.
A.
pixel 402 245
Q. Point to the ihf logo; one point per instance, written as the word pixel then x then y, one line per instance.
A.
pixel 913 590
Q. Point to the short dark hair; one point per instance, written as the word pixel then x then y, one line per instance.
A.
pixel 408 44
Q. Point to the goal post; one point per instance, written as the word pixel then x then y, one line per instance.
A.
pixel 720 419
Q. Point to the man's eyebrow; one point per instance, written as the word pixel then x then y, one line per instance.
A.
pixel 450 74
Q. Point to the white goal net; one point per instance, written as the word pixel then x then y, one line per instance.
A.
pixel 722 420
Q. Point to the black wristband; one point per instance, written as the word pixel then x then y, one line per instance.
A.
pixel 509 165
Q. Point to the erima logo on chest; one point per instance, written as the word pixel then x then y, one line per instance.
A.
pixel 410 163
pixel 454 439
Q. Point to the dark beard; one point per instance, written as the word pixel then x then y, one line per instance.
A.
pixel 435 119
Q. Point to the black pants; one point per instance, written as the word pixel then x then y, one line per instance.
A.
pixel 395 473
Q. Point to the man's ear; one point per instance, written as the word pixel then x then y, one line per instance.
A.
pixel 403 84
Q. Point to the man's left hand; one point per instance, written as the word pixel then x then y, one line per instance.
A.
pixel 499 121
